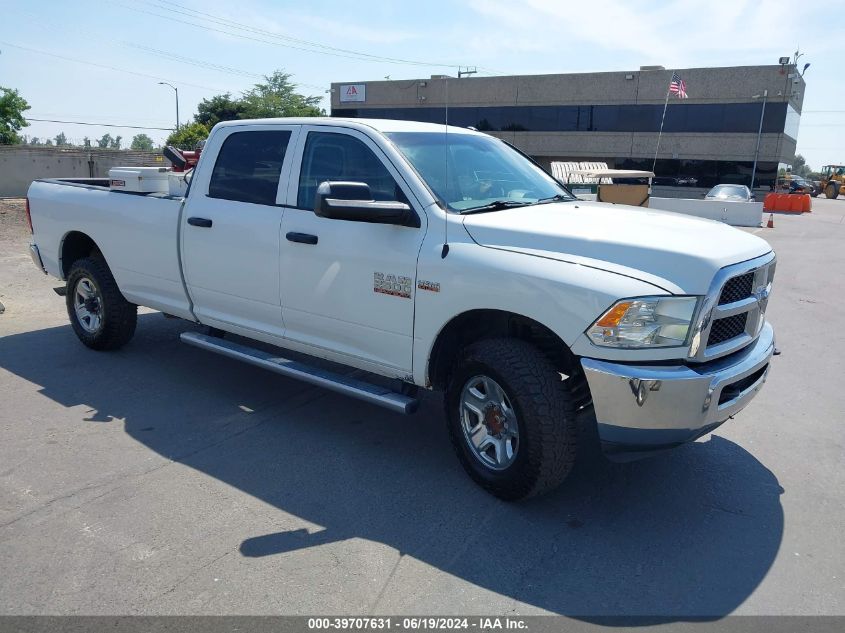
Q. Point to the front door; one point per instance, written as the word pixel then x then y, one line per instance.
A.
pixel 351 288
pixel 230 231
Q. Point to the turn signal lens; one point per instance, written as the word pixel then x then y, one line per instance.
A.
pixel 612 317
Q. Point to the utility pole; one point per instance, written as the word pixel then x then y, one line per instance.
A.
pixel 759 134
pixel 164 83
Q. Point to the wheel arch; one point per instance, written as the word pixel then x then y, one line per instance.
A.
pixel 76 245
pixel 475 325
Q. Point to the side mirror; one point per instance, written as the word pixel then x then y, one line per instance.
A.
pixel 353 202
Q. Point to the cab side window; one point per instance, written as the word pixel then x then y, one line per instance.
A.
pixel 248 167
pixel 333 156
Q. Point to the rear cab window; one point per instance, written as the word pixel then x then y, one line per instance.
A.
pixel 248 166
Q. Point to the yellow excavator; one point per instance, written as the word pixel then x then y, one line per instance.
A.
pixel 832 180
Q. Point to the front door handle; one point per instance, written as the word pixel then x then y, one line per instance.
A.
pixel 203 222
pixel 302 238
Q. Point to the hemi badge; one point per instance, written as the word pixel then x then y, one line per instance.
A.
pixel 431 286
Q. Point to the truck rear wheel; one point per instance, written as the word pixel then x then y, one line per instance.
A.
pixel 511 418
pixel 99 314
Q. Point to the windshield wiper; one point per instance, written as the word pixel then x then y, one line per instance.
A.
pixel 559 197
pixel 496 205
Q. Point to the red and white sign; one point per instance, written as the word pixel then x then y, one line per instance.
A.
pixel 353 92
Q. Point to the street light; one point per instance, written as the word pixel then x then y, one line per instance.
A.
pixel 759 134
pixel 164 83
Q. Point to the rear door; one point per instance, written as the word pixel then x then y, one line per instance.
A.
pixel 230 230
pixel 350 288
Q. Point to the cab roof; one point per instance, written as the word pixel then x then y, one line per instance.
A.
pixel 380 125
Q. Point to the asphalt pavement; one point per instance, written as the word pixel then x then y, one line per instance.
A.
pixel 161 479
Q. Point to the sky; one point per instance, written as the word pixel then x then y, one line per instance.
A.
pixel 100 61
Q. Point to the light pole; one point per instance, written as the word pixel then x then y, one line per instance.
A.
pixel 164 83
pixel 759 134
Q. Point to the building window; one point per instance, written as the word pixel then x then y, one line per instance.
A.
pixel 702 173
pixel 793 120
pixel 680 118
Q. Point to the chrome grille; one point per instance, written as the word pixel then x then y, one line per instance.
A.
pixel 725 329
pixel 733 311
pixel 737 288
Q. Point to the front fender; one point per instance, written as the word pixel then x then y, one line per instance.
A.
pixel 566 298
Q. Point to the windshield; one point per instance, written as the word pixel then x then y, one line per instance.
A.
pixel 727 191
pixel 472 171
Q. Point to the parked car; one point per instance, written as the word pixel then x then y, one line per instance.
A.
pixel 794 184
pixel 802 185
pixel 736 193
pixel 440 261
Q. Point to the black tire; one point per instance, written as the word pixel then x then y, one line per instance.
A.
pixel 832 191
pixel 117 317
pixel 544 406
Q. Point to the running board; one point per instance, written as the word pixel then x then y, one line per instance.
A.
pixel 314 375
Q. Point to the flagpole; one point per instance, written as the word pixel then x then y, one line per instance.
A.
pixel 662 119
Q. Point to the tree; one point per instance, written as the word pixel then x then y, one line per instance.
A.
pixel 86 142
pixel 220 108
pixel 800 166
pixel 49 142
pixel 35 141
pixel 105 141
pixel 61 139
pixel 141 142
pixel 12 107
pixel 115 144
pixel 278 98
pixel 188 135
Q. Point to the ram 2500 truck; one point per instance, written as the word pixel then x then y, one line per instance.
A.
pixel 440 258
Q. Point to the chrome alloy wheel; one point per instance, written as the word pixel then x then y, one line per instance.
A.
pixel 88 305
pixel 489 422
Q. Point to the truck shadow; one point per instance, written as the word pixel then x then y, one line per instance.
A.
pixel 687 534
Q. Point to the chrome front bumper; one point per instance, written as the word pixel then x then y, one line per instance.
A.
pixel 647 408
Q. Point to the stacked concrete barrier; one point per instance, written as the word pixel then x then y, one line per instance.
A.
pixel 727 211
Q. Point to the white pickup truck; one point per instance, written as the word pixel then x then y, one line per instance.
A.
pixel 441 258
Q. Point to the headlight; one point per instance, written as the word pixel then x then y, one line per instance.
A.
pixel 645 322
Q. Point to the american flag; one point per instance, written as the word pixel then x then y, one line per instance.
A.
pixel 678 86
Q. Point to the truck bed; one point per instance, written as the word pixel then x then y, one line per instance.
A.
pixel 138 233
pixel 102 183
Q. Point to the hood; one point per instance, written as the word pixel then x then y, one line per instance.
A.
pixel 676 252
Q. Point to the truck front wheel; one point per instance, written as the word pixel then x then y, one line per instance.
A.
pixel 511 418
pixel 99 314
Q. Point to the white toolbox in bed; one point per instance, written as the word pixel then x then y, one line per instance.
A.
pixel 139 179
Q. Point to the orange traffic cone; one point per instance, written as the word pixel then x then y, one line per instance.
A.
pixel 771 223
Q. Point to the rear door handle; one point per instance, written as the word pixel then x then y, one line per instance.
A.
pixel 302 238
pixel 203 222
